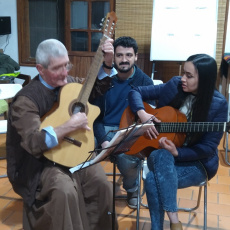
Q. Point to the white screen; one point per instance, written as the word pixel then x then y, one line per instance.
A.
pixel 181 28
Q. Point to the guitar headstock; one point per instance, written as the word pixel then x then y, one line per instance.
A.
pixel 109 24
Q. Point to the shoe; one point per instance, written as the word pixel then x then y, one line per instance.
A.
pixel 177 226
pixel 132 199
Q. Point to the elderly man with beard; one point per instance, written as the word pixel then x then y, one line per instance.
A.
pixel 124 76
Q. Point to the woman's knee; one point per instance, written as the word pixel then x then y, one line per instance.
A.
pixel 160 156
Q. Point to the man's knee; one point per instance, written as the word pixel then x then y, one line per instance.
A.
pixel 127 162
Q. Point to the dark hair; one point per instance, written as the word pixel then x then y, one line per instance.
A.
pixel 207 71
pixel 126 42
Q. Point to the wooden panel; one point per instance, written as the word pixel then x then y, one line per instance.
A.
pixel 135 20
pixel 221 36
pixel 220 30
pixel 144 63
pixel 164 70
pixel 81 65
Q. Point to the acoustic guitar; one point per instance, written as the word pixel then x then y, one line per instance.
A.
pixel 173 125
pixel 75 148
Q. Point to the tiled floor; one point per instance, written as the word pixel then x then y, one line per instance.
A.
pixel 218 202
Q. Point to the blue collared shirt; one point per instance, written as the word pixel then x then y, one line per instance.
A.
pixel 102 74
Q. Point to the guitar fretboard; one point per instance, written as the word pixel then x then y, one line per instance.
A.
pixel 190 127
pixel 92 75
pixel 109 27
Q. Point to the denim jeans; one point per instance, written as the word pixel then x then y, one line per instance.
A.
pixel 128 165
pixel 163 180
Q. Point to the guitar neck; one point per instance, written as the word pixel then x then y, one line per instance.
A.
pixel 190 127
pixel 109 27
pixel 92 75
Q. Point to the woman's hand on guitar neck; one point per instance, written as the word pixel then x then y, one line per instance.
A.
pixel 168 145
pixel 149 118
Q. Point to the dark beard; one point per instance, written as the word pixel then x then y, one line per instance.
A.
pixel 123 70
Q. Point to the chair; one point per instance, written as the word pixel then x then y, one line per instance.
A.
pixel 26 78
pixel 114 174
pixel 7 91
pixel 201 185
pixel 225 142
pixel 145 171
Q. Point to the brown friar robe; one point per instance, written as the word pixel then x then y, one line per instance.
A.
pixel 54 199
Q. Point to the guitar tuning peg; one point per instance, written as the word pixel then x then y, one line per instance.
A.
pixel 101 24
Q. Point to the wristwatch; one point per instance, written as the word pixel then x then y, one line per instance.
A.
pixel 107 67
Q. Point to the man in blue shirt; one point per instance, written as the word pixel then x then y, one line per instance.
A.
pixel 124 76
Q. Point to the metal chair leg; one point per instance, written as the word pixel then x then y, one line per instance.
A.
pixel 226 149
pixel 203 184
pixel 145 170
pixel 225 143
pixel 138 198
pixel 205 206
pixel 114 174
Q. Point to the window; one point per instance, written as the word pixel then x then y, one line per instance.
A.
pixel 75 23
pixel 84 28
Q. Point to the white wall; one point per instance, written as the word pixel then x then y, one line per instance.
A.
pixel 9 8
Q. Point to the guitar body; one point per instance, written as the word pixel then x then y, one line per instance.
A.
pixel 66 153
pixel 165 114
pixel 75 147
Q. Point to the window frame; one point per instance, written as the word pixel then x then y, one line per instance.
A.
pixel 24 36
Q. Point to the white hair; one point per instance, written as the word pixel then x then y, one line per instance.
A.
pixel 47 49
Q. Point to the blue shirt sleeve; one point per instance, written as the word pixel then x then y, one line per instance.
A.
pixel 102 74
pixel 51 137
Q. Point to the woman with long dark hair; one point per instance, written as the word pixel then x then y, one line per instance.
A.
pixel 173 167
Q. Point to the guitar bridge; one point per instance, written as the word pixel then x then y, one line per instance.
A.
pixel 72 141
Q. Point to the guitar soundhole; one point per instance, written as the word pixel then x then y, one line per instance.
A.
pixel 77 107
